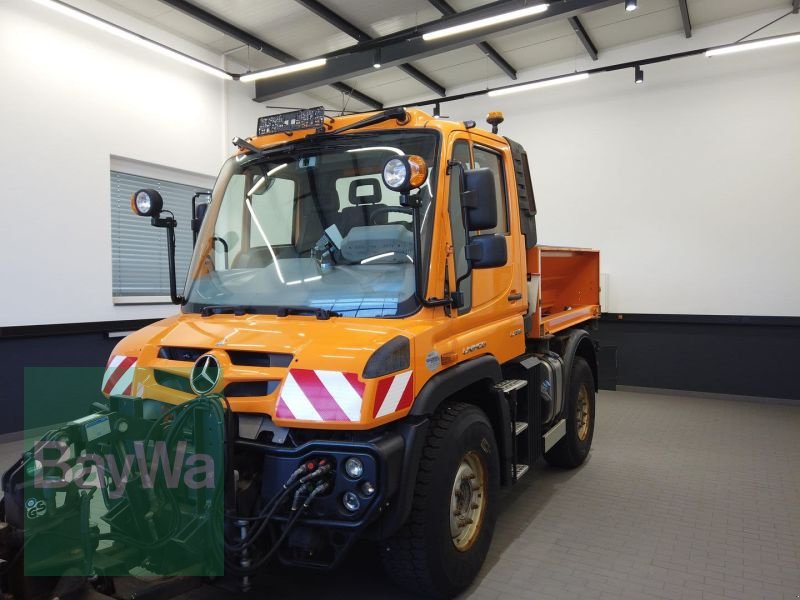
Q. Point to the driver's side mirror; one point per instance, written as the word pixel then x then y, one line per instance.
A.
pixel 480 199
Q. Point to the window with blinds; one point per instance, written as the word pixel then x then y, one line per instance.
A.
pixel 139 250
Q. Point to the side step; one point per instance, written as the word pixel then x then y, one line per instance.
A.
pixel 520 416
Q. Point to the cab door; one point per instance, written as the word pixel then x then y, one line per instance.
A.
pixel 481 288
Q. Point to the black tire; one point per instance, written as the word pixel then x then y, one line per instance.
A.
pixel 573 448
pixel 422 557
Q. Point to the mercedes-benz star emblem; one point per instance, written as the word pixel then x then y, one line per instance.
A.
pixel 205 374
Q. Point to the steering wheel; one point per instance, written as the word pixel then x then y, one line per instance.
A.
pixel 387 209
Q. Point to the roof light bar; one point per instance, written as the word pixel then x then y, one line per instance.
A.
pixel 755 45
pixel 538 84
pixel 487 22
pixel 284 70
pixel 121 32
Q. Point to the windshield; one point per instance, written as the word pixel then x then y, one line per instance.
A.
pixel 311 225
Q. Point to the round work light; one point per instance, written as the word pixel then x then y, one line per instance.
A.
pixel 405 173
pixel 147 203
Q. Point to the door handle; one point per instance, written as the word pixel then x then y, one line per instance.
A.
pixel 514 297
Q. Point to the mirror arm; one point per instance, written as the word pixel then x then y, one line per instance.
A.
pixel 414 204
pixel 169 223
pixel 465 203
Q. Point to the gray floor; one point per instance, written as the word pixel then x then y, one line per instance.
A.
pixel 681 498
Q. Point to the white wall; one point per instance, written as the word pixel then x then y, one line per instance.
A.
pixel 72 97
pixel 689 184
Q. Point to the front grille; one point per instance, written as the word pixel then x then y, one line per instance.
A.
pixel 250 388
pixel 242 358
pixel 172 381
pixel 246 358
pixel 181 354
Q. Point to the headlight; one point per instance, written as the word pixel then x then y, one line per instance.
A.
pixel 394 355
pixel 354 467
pixel 147 203
pixel 405 173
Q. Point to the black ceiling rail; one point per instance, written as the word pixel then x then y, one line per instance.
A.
pixel 362 36
pixel 583 36
pixel 687 23
pixel 796 6
pixel 408 45
pixel 631 64
pixel 443 7
pixel 256 43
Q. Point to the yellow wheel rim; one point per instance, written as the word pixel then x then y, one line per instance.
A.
pixel 582 413
pixel 467 501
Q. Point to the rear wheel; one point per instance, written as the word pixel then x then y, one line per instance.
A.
pixel 573 448
pixel 440 549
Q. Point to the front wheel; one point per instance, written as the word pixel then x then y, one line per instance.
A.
pixel 440 549
pixel 573 448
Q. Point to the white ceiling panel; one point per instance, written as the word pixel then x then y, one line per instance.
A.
pixel 382 17
pixel 710 11
pixel 149 9
pixel 294 29
pixel 451 68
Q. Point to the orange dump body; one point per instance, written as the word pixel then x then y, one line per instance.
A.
pixel 568 282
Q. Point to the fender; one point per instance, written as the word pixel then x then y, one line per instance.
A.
pixel 415 427
pixel 577 342
pixel 447 383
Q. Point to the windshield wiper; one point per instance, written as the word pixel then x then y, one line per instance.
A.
pixel 323 314
pixel 398 113
pixel 219 309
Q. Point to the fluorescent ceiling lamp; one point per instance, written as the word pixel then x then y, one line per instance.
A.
pixel 539 84
pixel 744 46
pixel 107 26
pixel 487 22
pixel 284 70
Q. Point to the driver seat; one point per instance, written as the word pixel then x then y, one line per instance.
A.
pixel 365 196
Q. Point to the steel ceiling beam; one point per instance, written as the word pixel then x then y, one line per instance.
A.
pixel 360 35
pixel 256 43
pixel 443 7
pixel 583 36
pixel 407 45
pixel 687 23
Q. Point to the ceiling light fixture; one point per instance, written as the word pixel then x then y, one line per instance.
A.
pixel 631 5
pixel 755 45
pixel 284 70
pixel 376 59
pixel 539 84
pixel 638 76
pixel 487 22
pixel 121 32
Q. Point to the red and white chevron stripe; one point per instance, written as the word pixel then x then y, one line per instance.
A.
pixel 394 394
pixel 118 378
pixel 312 395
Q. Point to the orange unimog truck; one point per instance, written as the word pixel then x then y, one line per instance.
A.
pixel 368 298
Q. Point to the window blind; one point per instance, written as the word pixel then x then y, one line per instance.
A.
pixel 139 250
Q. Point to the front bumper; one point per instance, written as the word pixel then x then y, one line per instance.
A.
pixel 327 530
